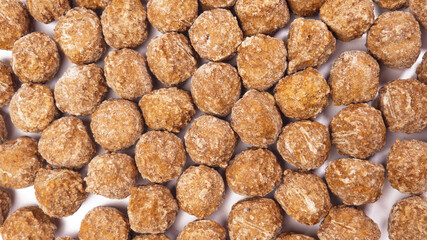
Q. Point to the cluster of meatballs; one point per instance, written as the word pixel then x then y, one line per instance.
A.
pixel 272 82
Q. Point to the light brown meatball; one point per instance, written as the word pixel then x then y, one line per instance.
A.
pixel 3 130
pixel 93 4
pixel 261 61
pixel 124 24
pixel 304 196
pixel 418 8
pixel 264 213
pixel 79 34
pixel 15 22
pixel 203 230
pixel 151 237
pixel 152 209
pixel 171 58
pixel 293 236
pixel 210 4
pixel 46 11
pixel 256 119
pixel 5 205
pixel 8 84
pixel 215 87
pixel 392 4
pixel 422 70
pixel 305 7
pixel 65 238
pixel 172 15
pixel 262 16
pixel 395 39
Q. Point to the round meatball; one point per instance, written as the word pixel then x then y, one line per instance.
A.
pixel 203 230
pixel 151 237
pixel 392 4
pixel 8 85
pixel 210 4
pixel 293 236
pixel 5 205
pixel 3 130
pixel 15 22
pixel 93 4
pixel 46 11
pixel 422 70
pixel 305 8
pixel 418 8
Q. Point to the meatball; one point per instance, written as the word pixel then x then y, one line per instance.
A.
pixel 422 70
pixel 93 4
pixel 210 4
pixel 46 11
pixel 8 84
pixel 5 205
pixel 203 230
pixel 305 8
pixel 392 4
pixel 418 8
pixel 15 22
pixel 293 236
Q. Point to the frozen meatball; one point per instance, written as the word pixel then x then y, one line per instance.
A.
pixel 261 61
pixel 408 219
pixel 203 230
pixel 421 70
pixel 256 119
pixel 355 181
pixel 111 175
pixel 302 95
pixel 28 223
pixel 407 166
pixel 3 130
pixel 35 58
pixel 67 143
pixel 80 90
pixel 160 156
pixel 402 103
pixel 304 196
pixel 264 213
pixel 172 15
pixel 32 108
pixel 345 222
pixel 93 4
pixel 19 162
pixel 304 144
pixel 293 236
pixel 254 172
pixel 392 4
pixel 79 34
pixel 47 11
pixel 395 39
pixel 305 7
pixel 200 191
pixel 310 44
pixel 348 19
pixel 418 8
pixel 215 87
pixel 124 23
pixel 7 84
pixel 168 109
pixel 210 141
pixel 213 42
pixel 358 131
pixel 127 74
pixel 152 209
pixel 151 237
pixel 105 223
pixel 59 192
pixel 171 58
pixel 354 78
pixel 262 16
pixel 210 4
pixel 5 205
pixel 116 124
pixel 15 22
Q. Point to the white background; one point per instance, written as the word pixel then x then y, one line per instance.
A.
pixel 378 211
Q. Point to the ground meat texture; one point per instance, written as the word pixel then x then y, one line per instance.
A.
pixel 200 191
pixel 261 61
pixel 116 124
pixel 402 103
pixel 3 130
pixel 172 15
pixel 168 109
pixel 421 70
pixel 395 39
pixel 7 84
pixel 5 205
pixel 302 95
pixel 262 16
pixel 152 209
pixel 151 237
pixel 46 11
pixel 304 196
pixel 64 238
pixel 407 166
pixel 80 90
pixel 67 143
pixel 304 144
pixel 215 87
pixel 256 119
pixel 392 4
pixel 210 4
pixel 19 162
pixel 210 141
pixel 93 4
pixel 28 223
pixel 254 172
pixel 203 230
pixel 355 181
pixel 104 223
pixel 15 22
pixel 293 236
pixel 345 222
pixel 127 74
pixel 310 44
pixel 348 19
pixel 358 131
pixel 32 108
pixel 418 8
pixel 213 42
pixel 305 7
pixel 160 156
pixel 255 218
pixel 35 58
pixel 124 23
pixel 408 219
pixel 79 34
pixel 171 58
pixel 354 78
